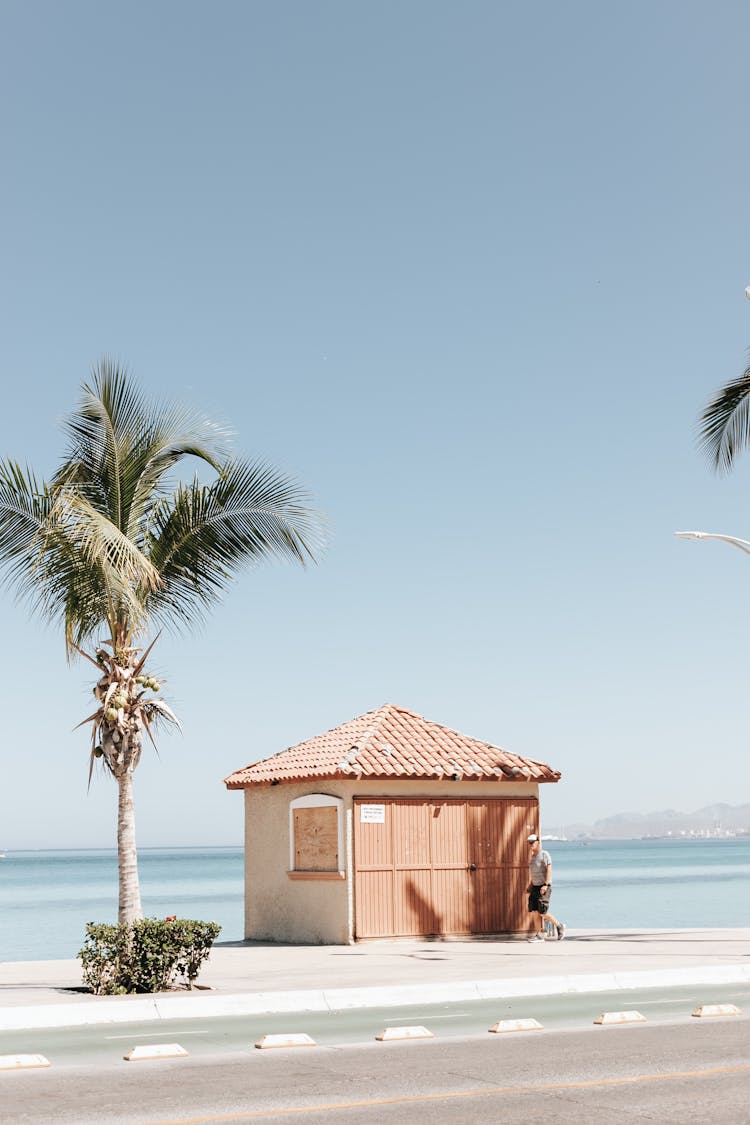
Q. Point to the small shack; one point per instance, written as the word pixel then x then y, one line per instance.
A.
pixel 388 826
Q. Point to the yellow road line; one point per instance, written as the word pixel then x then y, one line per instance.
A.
pixel 253 1114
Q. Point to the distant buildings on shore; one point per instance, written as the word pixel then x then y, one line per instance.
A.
pixel 716 833
pixel 713 822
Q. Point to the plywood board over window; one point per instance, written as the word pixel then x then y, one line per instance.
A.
pixel 316 839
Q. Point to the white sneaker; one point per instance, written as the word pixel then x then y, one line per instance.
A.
pixel 536 937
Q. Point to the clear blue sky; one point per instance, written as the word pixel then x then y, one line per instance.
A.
pixel 471 271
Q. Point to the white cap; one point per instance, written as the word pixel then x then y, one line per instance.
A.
pixel 533 838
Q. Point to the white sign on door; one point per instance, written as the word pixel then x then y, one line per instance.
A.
pixel 372 814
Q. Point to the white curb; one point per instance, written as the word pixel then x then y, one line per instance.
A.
pixel 202 1006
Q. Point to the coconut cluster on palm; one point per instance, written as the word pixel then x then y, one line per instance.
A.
pixel 125 709
pixel 113 551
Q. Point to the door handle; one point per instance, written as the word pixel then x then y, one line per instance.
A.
pixel 472 867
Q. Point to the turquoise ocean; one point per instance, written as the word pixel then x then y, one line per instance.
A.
pixel 47 897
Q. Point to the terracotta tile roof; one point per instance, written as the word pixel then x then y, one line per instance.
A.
pixel 392 742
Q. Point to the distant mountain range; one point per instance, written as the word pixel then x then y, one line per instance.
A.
pixel 713 820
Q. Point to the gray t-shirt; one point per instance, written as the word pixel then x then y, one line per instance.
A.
pixel 538 865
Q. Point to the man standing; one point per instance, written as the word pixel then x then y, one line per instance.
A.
pixel 540 889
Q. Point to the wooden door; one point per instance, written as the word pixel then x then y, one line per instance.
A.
pixel 441 866
pixel 498 831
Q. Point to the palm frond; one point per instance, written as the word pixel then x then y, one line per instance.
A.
pixel 107 569
pixel 43 561
pixel 85 655
pixel 25 507
pixel 69 588
pixel 104 544
pixel 158 711
pixel 121 444
pixel 139 666
pixel 110 403
pixel 203 535
pixel 147 728
pixel 724 427
pixel 36 556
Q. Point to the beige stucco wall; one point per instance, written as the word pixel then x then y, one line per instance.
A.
pixel 278 908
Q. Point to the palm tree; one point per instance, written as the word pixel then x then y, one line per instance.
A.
pixel 723 432
pixel 112 551
pixel 724 428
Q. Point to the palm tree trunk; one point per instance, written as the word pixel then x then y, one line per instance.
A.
pixel 127 855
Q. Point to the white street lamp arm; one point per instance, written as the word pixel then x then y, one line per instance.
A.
pixel 742 544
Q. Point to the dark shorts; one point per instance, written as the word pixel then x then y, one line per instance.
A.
pixel 538 903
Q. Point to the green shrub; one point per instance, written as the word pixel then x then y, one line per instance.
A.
pixel 150 955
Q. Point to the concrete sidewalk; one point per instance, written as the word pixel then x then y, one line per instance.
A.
pixel 250 978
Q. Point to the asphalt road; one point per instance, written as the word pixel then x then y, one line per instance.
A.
pixel 673 1068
